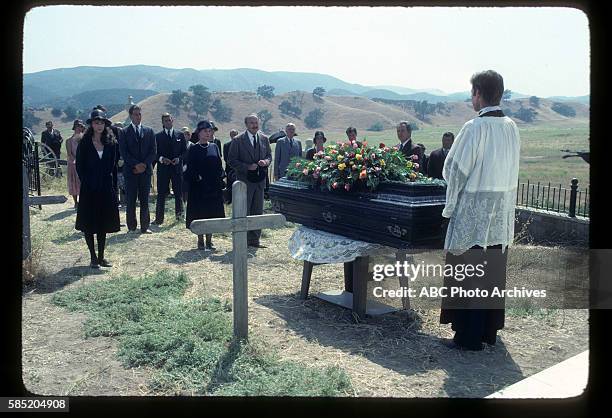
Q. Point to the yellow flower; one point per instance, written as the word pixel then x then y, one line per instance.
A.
pixel 358 157
pixel 412 176
pixel 341 166
pixel 382 163
pixel 340 157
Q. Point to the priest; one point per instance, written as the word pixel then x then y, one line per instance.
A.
pixel 481 171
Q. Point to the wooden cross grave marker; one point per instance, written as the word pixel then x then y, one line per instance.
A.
pixel 33 200
pixel 238 225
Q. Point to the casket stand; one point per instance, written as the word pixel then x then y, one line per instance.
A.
pixel 407 217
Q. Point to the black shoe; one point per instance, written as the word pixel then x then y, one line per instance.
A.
pixel 156 222
pixel 146 231
pixel 450 343
pixel 210 246
pixel 94 264
pixel 105 263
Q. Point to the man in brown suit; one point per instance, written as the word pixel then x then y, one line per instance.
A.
pixel 250 156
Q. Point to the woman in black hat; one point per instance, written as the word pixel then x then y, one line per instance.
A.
pixel 205 178
pixel 318 139
pixel 97 212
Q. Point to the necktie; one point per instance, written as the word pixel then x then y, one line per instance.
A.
pixel 291 142
pixel 254 140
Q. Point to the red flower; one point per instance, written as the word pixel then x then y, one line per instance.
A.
pixel 381 145
pixel 335 185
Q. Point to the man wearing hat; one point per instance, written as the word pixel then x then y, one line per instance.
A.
pixel 286 148
pixel 318 140
pixel 53 139
pixel 138 149
pixel 250 156
pixel 171 147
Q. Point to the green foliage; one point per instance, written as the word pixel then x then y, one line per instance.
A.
pixel 288 108
pixel 507 95
pixel 29 119
pixel 70 112
pixel 423 108
pixel 264 117
pixel 318 92
pixel 376 127
pixel 220 111
pixel 178 98
pixel 563 109
pixel 534 101
pixel 56 112
pixel 526 114
pixel 265 91
pixel 189 342
pixel 201 99
pixel 314 119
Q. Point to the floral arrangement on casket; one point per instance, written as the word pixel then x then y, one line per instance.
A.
pixel 346 166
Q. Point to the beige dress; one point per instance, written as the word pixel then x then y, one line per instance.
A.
pixel 74 184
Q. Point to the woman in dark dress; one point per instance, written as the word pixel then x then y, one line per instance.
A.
pixel 97 212
pixel 319 139
pixel 205 178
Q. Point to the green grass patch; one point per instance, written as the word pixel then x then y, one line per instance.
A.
pixel 190 342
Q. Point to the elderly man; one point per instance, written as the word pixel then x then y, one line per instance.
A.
pixel 437 157
pixel 481 171
pixel 250 156
pixel 412 152
pixel 171 147
pixel 287 147
pixel 53 139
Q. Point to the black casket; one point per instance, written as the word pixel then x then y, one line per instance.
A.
pixel 400 215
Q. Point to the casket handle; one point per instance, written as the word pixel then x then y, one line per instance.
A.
pixel 328 216
pixel 396 230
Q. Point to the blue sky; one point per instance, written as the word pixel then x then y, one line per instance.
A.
pixel 540 51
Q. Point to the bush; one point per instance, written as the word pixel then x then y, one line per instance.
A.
pixel 314 118
pixel 318 92
pixel 287 108
pixel 376 127
pixel 71 112
pixel 220 111
pixel 178 98
pixel 534 101
pixel 563 109
pixel 56 112
pixel 264 116
pixel 265 91
pixel 29 119
pixel 526 114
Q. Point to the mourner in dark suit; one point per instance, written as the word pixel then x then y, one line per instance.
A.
pixel 137 144
pixel 318 141
pixel 437 157
pixel 425 159
pixel 250 156
pixel 216 140
pixel 97 212
pixel 53 139
pixel 229 171
pixel 171 147
pixel 205 177
pixel 411 151
pixel 286 148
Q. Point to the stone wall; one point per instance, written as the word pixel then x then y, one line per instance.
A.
pixel 533 226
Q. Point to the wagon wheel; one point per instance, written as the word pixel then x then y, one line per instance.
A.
pixel 48 164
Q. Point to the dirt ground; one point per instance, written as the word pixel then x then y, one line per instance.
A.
pixel 393 355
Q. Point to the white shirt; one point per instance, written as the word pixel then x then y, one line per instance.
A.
pixel 404 143
pixel 481 170
pixel 100 153
pixel 136 128
pixel 252 138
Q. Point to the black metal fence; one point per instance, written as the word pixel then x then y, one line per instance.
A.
pixel 573 200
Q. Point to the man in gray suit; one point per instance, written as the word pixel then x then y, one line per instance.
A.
pixel 287 147
pixel 250 156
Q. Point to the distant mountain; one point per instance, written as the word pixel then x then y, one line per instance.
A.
pixel 88 99
pixel 54 87
pixel 579 99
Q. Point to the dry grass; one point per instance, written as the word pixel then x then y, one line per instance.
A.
pixel 396 355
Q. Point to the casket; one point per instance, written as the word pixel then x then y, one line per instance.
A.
pixel 399 215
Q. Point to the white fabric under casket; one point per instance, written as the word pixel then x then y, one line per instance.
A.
pixel 317 246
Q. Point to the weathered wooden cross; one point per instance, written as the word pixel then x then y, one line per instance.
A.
pixel 238 224
pixel 33 200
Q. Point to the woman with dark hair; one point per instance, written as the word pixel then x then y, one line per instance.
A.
pixel 318 140
pixel 72 143
pixel 204 176
pixel 97 211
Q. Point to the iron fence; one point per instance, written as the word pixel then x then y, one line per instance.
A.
pixel 572 200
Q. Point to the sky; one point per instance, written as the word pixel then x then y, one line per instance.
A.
pixel 541 51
